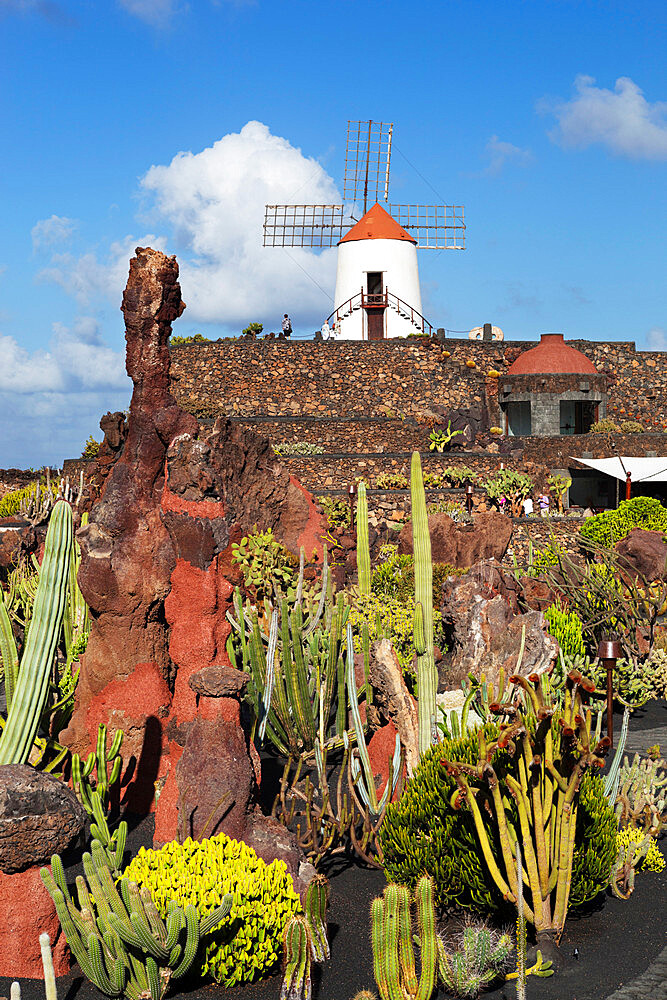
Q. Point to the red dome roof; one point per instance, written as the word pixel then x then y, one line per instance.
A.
pixel 377 224
pixel 552 354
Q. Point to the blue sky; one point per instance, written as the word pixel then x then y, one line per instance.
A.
pixel 161 122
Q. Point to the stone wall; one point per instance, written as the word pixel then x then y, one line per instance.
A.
pixel 281 378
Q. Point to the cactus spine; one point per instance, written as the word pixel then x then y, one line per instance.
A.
pixel 393 950
pixel 118 938
pixel 427 677
pixel 363 548
pixel 32 684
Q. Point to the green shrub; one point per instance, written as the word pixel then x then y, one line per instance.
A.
pixel 423 834
pixel 252 329
pixel 507 483
pixel 632 427
pixel 457 474
pixel 248 942
pixel 336 510
pixel 92 448
pixel 298 448
pixel 567 630
pixel 389 618
pixel 196 338
pixel 541 559
pixel 610 526
pixel 395 577
pixel 391 481
pixel 12 501
pixel 605 426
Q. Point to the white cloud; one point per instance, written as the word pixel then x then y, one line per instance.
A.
pixel 155 12
pixel 622 120
pixel 500 153
pixel 48 232
pixel 76 357
pixel 53 399
pixel 657 339
pixel 214 200
pixel 89 278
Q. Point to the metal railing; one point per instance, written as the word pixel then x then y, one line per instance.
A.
pixel 380 300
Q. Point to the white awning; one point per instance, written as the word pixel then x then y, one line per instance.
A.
pixel 642 470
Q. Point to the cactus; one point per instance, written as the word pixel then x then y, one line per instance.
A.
pixel 47 965
pixel 427 676
pixel 116 934
pixel 544 791
pixel 479 959
pixel 641 798
pixel 363 550
pixel 393 950
pixel 296 978
pixel 95 799
pixel 305 940
pixel 32 684
pixel 315 908
pixel 297 673
pixel 366 785
pixel 614 775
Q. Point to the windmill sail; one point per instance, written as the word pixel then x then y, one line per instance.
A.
pixel 435 227
pixel 316 226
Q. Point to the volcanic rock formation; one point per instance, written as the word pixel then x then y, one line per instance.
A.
pixel 156 568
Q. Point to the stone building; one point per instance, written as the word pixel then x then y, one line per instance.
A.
pixel 551 390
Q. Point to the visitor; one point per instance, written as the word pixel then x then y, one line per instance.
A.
pixel 501 503
pixel 287 326
pixel 527 505
pixel 326 330
pixel 335 330
pixel 543 504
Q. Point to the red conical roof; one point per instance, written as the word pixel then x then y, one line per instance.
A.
pixel 377 224
pixel 551 355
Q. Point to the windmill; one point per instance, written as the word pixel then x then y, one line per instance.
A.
pixel 377 281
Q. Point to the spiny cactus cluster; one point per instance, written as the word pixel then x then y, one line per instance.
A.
pixel 122 944
pixel 393 950
pixel 642 795
pixel 473 961
pixel 95 797
pixel 201 874
pixel 305 941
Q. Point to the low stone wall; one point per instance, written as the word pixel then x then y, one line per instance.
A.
pixel 343 434
pixel 281 378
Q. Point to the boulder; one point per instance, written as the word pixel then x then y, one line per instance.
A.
pixel 274 842
pixel 219 681
pixel 39 816
pixel 486 633
pixel 644 553
pixel 463 545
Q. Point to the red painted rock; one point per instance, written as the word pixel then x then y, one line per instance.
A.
pixel 644 553
pixel 463 545
pixel 27 911
pixel 39 816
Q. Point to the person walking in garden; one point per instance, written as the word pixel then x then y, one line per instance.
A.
pixel 287 326
pixel 543 504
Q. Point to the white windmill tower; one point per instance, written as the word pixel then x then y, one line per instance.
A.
pixel 377 281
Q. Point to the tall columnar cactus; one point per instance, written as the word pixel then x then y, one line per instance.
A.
pixel 427 676
pixel 393 951
pixel 305 940
pixel 117 935
pixel 32 683
pixel 95 797
pixel 363 548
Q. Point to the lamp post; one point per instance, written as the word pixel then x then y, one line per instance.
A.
pixel 469 492
pixel 628 484
pixel 609 651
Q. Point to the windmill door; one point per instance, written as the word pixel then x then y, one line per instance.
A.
pixel 375 320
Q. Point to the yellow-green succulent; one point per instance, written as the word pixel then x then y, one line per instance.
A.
pixel 202 873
